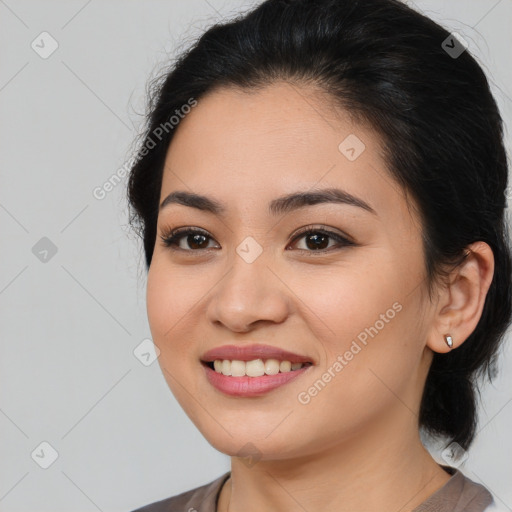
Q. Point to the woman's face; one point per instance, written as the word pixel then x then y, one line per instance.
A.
pixel 354 307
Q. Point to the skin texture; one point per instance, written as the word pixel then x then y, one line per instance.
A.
pixel 355 445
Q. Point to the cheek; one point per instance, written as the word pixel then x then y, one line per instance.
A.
pixel 170 297
pixel 368 353
pixel 349 303
pixel 171 294
pixel 159 301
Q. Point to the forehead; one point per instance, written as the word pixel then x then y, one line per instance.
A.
pixel 277 117
pixel 260 144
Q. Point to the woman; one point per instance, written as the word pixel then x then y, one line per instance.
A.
pixel 321 194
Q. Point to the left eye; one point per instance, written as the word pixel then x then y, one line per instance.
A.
pixel 316 240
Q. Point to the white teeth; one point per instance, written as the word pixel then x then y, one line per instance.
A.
pixel 226 367
pixel 271 366
pixel 285 366
pixel 237 368
pixel 254 368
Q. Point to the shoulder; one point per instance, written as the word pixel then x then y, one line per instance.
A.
pixel 477 497
pixel 459 494
pixel 199 499
pixel 495 507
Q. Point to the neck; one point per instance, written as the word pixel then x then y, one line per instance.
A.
pixel 377 469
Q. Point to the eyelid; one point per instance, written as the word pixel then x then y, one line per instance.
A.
pixel 169 235
pixel 321 228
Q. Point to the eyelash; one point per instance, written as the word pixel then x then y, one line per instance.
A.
pixel 170 237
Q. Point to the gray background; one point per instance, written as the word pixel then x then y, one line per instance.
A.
pixel 70 321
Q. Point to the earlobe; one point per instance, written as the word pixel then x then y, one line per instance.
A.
pixel 462 300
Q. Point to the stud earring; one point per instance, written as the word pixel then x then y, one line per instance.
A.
pixel 449 340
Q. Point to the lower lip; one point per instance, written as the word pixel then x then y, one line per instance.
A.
pixel 250 386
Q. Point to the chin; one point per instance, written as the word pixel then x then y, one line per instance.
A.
pixel 252 448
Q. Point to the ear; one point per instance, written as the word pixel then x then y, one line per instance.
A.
pixel 461 302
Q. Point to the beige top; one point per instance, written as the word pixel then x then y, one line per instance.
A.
pixel 459 494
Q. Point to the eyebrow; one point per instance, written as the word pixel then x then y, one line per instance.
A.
pixel 281 205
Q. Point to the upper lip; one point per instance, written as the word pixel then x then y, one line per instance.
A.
pixel 250 352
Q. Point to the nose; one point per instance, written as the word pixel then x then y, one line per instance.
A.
pixel 249 293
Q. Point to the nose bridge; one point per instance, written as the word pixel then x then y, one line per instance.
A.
pixel 249 292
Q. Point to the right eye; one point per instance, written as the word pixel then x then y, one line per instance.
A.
pixel 195 238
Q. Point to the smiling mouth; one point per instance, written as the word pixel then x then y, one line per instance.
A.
pixel 253 368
